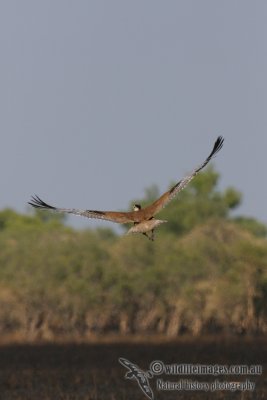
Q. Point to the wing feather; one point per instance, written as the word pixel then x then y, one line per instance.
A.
pixel 113 216
pixel 163 200
pixel 134 216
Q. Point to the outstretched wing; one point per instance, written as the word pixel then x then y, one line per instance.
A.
pixel 134 216
pixel 160 203
pixel 126 363
pixel 113 216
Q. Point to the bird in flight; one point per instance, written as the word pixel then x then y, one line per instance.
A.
pixel 142 218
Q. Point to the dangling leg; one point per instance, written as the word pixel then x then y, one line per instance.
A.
pixel 150 237
pixel 145 234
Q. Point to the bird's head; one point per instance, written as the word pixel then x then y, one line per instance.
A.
pixel 136 207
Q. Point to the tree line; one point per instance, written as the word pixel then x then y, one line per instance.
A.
pixel 205 273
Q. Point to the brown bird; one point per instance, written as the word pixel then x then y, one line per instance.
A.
pixel 142 218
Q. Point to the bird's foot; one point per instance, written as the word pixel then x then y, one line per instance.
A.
pixel 150 237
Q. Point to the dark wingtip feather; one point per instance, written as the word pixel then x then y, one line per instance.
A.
pixel 218 144
pixel 39 203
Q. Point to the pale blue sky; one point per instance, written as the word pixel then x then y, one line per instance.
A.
pixel 100 99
